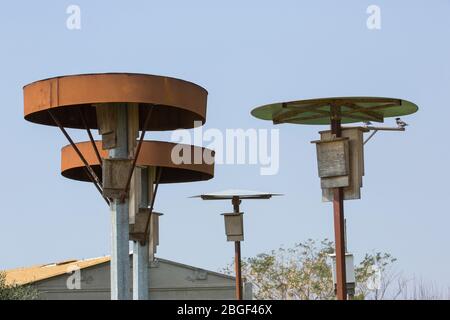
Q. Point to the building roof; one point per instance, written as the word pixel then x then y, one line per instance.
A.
pixel 41 272
pixel 44 271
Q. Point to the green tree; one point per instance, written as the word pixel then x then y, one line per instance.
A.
pixel 304 272
pixel 15 291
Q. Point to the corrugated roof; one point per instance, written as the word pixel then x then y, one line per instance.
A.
pixel 45 271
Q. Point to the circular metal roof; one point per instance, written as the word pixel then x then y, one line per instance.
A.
pixel 176 103
pixel 153 154
pixel 241 194
pixel 320 111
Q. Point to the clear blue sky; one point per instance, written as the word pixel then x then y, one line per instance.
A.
pixel 245 55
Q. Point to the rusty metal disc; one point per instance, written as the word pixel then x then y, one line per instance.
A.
pixel 176 103
pixel 153 153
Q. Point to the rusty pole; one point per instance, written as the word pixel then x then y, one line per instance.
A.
pixel 338 210
pixel 237 255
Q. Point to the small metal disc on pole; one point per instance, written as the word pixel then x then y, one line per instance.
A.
pixel 234 224
pixel 340 151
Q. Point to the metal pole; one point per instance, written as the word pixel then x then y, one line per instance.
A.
pixel 88 169
pixel 91 138
pixel 237 266
pixel 140 250
pixel 140 270
pixel 237 255
pixel 120 259
pixel 338 210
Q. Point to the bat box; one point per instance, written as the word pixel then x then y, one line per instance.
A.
pixel 234 226
pixel 355 137
pixel 333 162
pixel 115 176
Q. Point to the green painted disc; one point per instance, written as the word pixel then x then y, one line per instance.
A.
pixel 350 109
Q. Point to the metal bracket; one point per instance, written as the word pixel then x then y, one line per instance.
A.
pixel 88 169
pixel 376 129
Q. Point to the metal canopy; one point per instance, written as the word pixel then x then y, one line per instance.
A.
pixel 119 105
pixel 175 103
pixel 347 109
pixel 153 154
pixel 335 111
pixel 234 224
pixel 236 193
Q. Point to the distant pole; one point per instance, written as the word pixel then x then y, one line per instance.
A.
pixel 339 225
pixel 237 255
pixel 120 259
pixel 140 250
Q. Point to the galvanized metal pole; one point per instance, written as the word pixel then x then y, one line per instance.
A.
pixel 338 210
pixel 237 255
pixel 140 270
pixel 120 259
pixel 140 250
